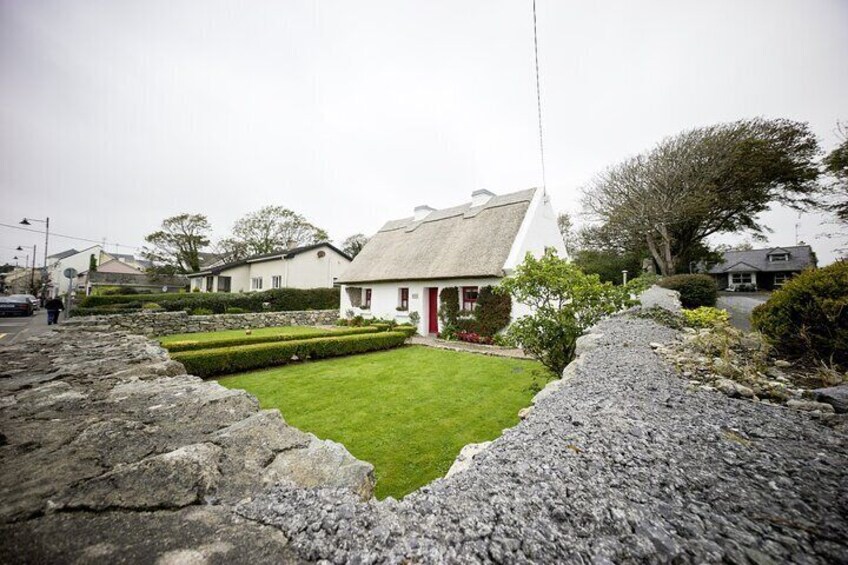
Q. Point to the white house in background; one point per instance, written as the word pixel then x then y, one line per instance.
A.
pixel 310 266
pixel 405 265
pixel 78 260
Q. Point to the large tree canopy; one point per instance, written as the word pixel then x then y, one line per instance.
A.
pixel 270 229
pixel 354 244
pixel 705 181
pixel 836 164
pixel 176 244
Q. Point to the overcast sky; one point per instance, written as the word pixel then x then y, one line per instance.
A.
pixel 116 114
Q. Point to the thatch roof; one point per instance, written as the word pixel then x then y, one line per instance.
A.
pixel 458 242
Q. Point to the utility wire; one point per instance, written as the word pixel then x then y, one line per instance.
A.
pixel 54 234
pixel 539 98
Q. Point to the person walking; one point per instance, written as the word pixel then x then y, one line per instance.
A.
pixel 54 306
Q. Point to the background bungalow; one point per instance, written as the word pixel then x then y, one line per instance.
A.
pixel 762 269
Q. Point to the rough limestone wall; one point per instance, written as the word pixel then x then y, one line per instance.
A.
pixel 109 451
pixel 168 323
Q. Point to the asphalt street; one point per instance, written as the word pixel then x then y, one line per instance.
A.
pixel 13 329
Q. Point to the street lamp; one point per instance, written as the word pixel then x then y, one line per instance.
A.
pixel 32 275
pixel 46 222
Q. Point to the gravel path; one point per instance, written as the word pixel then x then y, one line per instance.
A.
pixel 622 464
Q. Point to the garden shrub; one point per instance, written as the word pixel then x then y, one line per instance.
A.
pixel 662 316
pixel 278 300
pixel 642 283
pixel 705 317
pixel 695 290
pixel 235 310
pixel 151 306
pixel 493 312
pixel 201 312
pixel 449 306
pixel 189 345
pixel 211 362
pixel 808 317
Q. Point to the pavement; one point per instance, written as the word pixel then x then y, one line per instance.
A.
pixel 15 329
pixel 740 306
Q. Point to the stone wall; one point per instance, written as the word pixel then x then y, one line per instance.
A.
pixel 168 323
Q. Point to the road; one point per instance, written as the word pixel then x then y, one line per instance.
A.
pixel 14 329
pixel 740 306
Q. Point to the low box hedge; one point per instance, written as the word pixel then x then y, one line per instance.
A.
pixel 695 290
pixel 189 345
pixel 211 362
pixel 278 300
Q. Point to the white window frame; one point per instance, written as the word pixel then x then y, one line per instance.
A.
pixel 779 258
pixel 741 276
pixel 784 278
pixel 255 283
pixel 277 281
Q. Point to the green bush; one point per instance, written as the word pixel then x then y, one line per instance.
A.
pixel 211 362
pixel 449 306
pixel 279 300
pixel 695 290
pixel 235 310
pixel 493 311
pixel 201 312
pixel 705 317
pixel 189 345
pixel 808 317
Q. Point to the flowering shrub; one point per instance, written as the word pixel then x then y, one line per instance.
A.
pixel 472 337
pixel 705 317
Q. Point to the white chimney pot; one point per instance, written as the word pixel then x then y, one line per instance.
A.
pixel 422 212
pixel 480 197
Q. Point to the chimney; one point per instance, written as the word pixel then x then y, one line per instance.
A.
pixel 422 212
pixel 480 197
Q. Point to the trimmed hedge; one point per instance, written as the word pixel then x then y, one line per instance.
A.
pixel 279 300
pixel 211 362
pixel 695 290
pixel 808 317
pixel 189 345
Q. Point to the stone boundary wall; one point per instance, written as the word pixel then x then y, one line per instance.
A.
pixel 168 323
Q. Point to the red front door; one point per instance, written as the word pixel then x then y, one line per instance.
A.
pixel 433 311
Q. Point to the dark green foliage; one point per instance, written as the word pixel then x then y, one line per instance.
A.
pixel 493 311
pixel 92 263
pixel 201 312
pixel 695 290
pixel 449 306
pixel 189 345
pixel 808 317
pixel 210 362
pixel 608 264
pixel 279 300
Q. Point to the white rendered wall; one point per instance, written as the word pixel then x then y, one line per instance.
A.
pixel 538 232
pixel 79 261
pixel 307 270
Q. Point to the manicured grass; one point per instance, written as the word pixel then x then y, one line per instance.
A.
pixel 226 334
pixel 407 411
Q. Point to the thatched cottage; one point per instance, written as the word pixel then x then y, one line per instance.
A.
pixel 403 267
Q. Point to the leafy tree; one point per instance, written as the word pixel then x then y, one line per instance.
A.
pixel 836 164
pixel 354 244
pixel 569 236
pixel 271 229
pixel 705 181
pixel 92 263
pixel 565 303
pixel 176 245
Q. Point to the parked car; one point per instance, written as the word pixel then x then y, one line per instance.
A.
pixel 15 305
pixel 34 301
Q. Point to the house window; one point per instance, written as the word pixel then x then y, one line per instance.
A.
pixel 781 279
pixel 367 303
pixel 469 298
pixel 742 278
pixel 277 281
pixel 256 283
pixel 779 257
pixel 224 284
pixel 403 302
pixel 209 281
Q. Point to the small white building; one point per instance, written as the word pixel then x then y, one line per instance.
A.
pixel 405 265
pixel 77 260
pixel 310 266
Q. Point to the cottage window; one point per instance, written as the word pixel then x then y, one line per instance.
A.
pixel 469 298
pixel 224 284
pixel 781 279
pixel 403 301
pixel 277 281
pixel 367 303
pixel 742 278
pixel 779 257
pixel 256 283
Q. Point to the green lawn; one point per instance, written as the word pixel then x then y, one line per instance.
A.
pixel 407 411
pixel 210 336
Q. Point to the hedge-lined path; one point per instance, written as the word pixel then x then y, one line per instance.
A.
pixel 493 350
pixel 740 306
